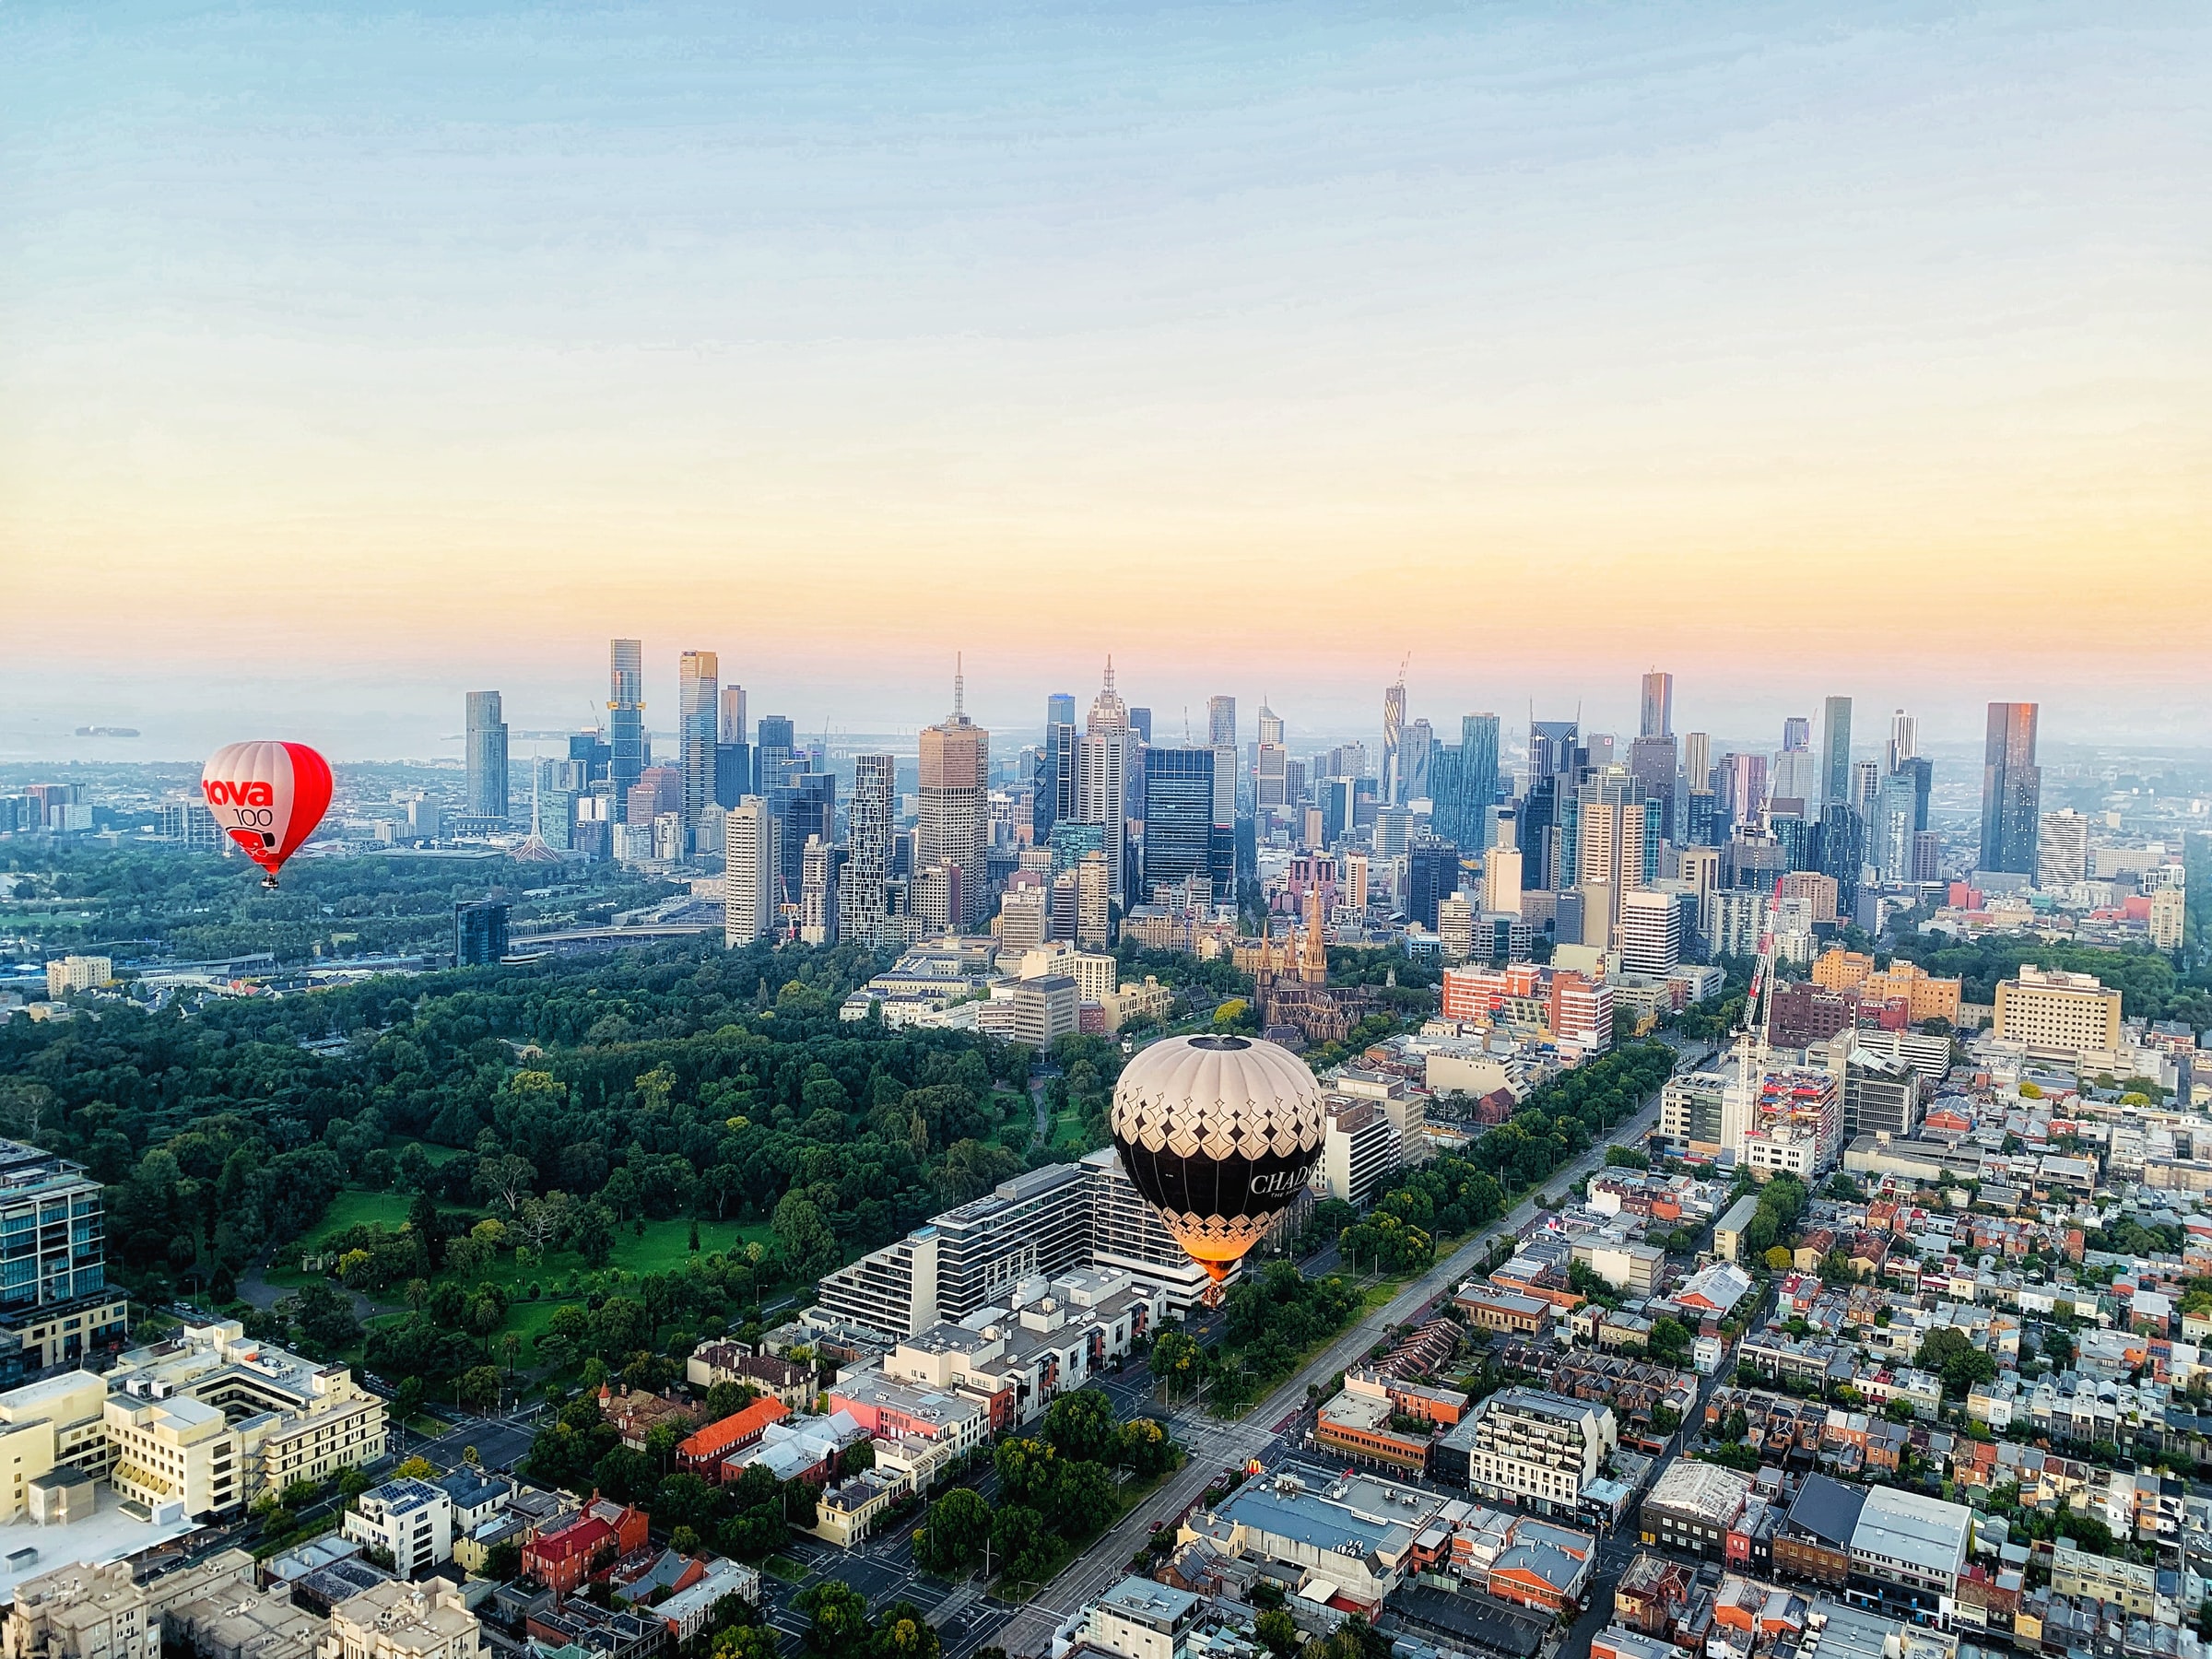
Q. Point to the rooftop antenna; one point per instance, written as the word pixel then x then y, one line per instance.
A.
pixel 959 686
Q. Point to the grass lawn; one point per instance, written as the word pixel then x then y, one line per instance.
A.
pixel 397 1144
pixel 784 1567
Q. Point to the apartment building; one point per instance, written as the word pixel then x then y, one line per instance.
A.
pixel 209 1418
pixel 55 1304
pixel 411 1521
pixel 2057 1014
pixel 400 1620
pixel 1524 1446
pixel 1360 1151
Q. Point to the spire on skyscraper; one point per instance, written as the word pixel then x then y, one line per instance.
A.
pixel 959 686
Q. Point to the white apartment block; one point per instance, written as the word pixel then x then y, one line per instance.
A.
pixel 1360 1151
pixel 400 1620
pixel 411 1521
pixel 1525 1446
pixel 1651 931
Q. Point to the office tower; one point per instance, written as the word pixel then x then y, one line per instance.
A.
pixel 1697 760
pixel 1554 750
pixel 1416 751
pixel 1270 764
pixel 1394 730
pixel 1889 828
pixel 953 827
pixel 1651 932
pixel 486 748
pixel 774 747
pixel 1904 739
pixel 1796 735
pixel 750 861
pixel 1927 855
pixel 480 933
pixel 733 773
pixel 1140 722
pixel 1844 852
pixel 1658 706
pixel 625 719
pixel 658 789
pixel 1102 777
pixel 1922 771
pixel 1054 780
pixel 697 680
pixel 1865 778
pixel 1835 750
pixel 1652 765
pixel 1502 886
pixel 1743 792
pixel 2062 854
pixel 803 805
pixel 1180 832
pixel 1477 778
pixel 1222 734
pixel 820 865
pixel 1094 902
pixel 862 906
pixel 732 727
pixel 1431 877
pixel 2012 790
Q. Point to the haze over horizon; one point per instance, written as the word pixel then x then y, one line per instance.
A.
pixel 351 360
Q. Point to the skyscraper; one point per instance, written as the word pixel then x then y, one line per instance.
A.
pixel 777 743
pixel 625 718
pixel 1835 751
pixel 1652 765
pixel 860 894
pixel 487 746
pixel 733 716
pixel 1102 777
pixel 1477 779
pixel 803 805
pixel 1904 739
pixel 1697 760
pixel 2062 852
pixel 750 858
pixel 1416 752
pixel 1431 877
pixel 1658 706
pixel 953 829
pixel 1221 733
pixel 1394 731
pixel 820 866
pixel 1270 763
pixel 1180 838
pixel 2012 790
pixel 1553 749
pixel 1053 784
pixel 698 674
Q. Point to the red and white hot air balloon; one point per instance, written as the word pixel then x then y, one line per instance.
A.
pixel 269 795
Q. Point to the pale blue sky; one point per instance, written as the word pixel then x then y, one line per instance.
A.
pixel 452 339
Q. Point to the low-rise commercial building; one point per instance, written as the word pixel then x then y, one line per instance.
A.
pixel 1523 1446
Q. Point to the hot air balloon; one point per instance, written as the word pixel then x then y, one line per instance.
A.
pixel 269 795
pixel 1219 1134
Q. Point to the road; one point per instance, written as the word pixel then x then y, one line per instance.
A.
pixel 1218 1445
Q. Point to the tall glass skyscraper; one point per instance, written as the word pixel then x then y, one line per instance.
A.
pixel 1835 751
pixel 625 719
pixel 2012 790
pixel 486 744
pixel 698 675
pixel 860 894
pixel 1477 778
pixel 1178 819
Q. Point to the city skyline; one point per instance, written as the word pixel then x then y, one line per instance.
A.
pixel 1669 316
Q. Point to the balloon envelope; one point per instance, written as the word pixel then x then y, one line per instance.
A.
pixel 1219 1134
pixel 268 796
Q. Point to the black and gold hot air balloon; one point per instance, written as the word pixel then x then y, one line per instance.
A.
pixel 1219 1134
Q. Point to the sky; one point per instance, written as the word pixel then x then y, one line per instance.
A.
pixel 353 358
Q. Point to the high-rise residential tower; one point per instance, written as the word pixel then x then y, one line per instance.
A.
pixel 1477 780
pixel 486 744
pixel 625 719
pixel 750 861
pixel 1394 733
pixel 861 904
pixel 1102 777
pixel 953 829
pixel 1904 739
pixel 698 679
pixel 2012 790
pixel 1658 706
pixel 1270 763
pixel 1835 751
